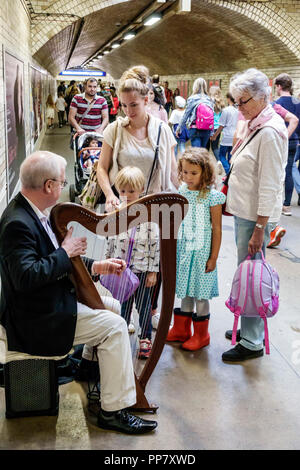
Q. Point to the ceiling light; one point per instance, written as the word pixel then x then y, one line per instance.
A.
pixel 129 35
pixel 152 19
pixel 115 45
pixel 106 52
pixel 99 56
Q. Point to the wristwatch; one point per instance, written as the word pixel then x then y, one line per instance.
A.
pixel 259 226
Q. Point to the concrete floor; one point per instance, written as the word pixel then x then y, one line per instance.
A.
pixel 203 402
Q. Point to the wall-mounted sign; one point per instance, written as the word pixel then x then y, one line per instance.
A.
pixel 83 73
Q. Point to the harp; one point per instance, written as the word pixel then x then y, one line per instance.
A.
pixel 167 210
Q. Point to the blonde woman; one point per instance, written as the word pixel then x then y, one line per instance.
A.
pixel 219 104
pixel 198 137
pixel 132 140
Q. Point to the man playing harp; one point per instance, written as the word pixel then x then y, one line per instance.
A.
pixel 39 308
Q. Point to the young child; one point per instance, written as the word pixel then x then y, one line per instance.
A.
pixel 175 119
pixel 198 245
pixel 60 108
pixel 50 111
pixel 130 182
pixel 89 156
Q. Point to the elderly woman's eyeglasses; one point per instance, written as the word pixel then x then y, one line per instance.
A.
pixel 63 184
pixel 241 103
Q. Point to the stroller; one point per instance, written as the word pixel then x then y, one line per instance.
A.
pixel 81 173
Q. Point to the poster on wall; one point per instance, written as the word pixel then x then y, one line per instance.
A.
pixel 15 119
pixel 36 116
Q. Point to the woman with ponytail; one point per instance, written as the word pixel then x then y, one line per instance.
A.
pixel 131 140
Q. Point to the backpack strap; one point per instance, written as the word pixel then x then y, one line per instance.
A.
pixel 257 298
pixel 244 274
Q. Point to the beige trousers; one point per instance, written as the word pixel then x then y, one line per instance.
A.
pixel 107 331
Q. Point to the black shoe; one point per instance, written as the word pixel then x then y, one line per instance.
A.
pixel 124 422
pixel 228 335
pixel 298 199
pixel 239 353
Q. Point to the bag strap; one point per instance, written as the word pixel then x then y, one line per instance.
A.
pixel 90 105
pixel 244 275
pixel 130 246
pixel 239 151
pixel 155 158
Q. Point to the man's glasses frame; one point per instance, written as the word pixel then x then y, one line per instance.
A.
pixel 63 184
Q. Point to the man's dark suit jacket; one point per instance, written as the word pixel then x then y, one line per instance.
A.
pixel 38 305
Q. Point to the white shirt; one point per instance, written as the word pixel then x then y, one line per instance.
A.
pixel 228 120
pixel 258 173
pixel 44 219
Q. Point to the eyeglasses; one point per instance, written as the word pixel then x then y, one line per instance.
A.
pixel 63 184
pixel 241 103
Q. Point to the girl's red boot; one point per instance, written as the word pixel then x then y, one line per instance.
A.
pixel 201 336
pixel 181 330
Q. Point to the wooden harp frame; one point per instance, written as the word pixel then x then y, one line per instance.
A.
pixel 140 211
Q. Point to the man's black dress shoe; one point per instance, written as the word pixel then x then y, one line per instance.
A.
pixel 123 421
pixel 239 353
pixel 228 335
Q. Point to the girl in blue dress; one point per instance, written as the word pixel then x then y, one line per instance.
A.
pixel 198 246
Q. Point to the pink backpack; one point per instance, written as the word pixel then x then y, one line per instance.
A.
pixel 254 292
pixel 204 117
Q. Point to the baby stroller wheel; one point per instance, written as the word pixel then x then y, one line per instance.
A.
pixel 72 193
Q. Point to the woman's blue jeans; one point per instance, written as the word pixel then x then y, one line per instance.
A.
pixel 142 297
pixel 252 328
pixel 289 182
pixel 199 137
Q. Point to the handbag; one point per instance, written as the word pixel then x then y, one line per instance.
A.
pixel 122 287
pixel 91 191
pixel 224 188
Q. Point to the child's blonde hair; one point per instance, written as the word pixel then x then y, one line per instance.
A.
pixel 130 176
pixel 201 157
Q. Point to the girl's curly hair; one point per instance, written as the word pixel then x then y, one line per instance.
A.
pixel 200 156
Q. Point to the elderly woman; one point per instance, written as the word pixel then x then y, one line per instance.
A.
pixel 255 188
pixel 198 137
pixel 132 140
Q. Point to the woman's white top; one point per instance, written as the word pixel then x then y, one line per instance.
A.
pixel 130 151
pixel 258 172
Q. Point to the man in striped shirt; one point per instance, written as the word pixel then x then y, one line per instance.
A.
pixel 96 119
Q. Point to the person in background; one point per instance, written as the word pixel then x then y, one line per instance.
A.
pixel 176 92
pixel 61 88
pixel 116 104
pixel 50 111
pixel 284 89
pixel 169 96
pixel 198 137
pixel 155 103
pixel 60 108
pixel 155 82
pixel 219 104
pixel 227 125
pixel 174 120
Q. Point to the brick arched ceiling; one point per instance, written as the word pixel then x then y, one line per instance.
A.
pixel 217 36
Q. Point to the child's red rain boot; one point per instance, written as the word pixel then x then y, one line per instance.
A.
pixel 181 330
pixel 201 336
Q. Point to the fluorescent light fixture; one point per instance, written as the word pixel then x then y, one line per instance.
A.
pixel 115 45
pixel 99 56
pixel 152 19
pixel 106 52
pixel 129 35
